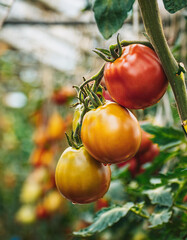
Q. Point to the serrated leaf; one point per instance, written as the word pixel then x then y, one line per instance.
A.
pixel 178 172
pixel 160 195
pixel 105 218
pixel 173 6
pixel 158 218
pixel 166 137
pixel 110 15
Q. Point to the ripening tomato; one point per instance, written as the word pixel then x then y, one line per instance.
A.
pixel 55 127
pixel 111 133
pixel 101 203
pixel 185 198
pixel 80 178
pixel 30 192
pixel 42 157
pixel 62 95
pixel 40 137
pixel 41 212
pixel 26 214
pixel 136 80
pixel 54 202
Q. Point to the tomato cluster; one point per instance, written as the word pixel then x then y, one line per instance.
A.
pixel 110 134
pixel 39 196
pixel 106 132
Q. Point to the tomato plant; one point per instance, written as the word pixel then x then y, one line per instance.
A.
pixel 80 178
pixel 136 79
pixel 111 133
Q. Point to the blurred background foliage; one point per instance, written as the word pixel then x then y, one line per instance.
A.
pixel 45 47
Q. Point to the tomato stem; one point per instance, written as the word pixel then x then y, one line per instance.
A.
pixel 97 78
pixel 139 213
pixel 182 207
pixel 113 52
pixel 152 22
pixel 126 43
pixel 76 134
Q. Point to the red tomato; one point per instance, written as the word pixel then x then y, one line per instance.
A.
pixel 107 96
pixel 149 155
pixel 101 203
pixel 136 80
pixel 41 212
pixel 80 178
pixel 145 142
pixel 62 95
pixel 133 166
pixel 185 198
pixel 111 133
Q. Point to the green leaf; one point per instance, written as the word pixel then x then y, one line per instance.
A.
pixel 158 218
pixel 173 6
pixel 160 195
pixel 110 15
pixel 178 172
pixel 105 218
pixel 158 162
pixel 166 137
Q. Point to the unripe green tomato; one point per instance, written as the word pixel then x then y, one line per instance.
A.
pixel 80 178
pixel 111 133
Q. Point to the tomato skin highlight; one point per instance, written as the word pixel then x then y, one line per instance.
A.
pixel 80 178
pixel 111 133
pixel 136 80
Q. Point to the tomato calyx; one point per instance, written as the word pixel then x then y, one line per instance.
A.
pixel 90 96
pixel 112 54
pixel 115 50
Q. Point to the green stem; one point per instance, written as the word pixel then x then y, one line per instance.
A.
pixel 98 80
pixel 77 132
pixel 139 213
pixel 125 43
pixel 98 76
pixel 182 207
pixel 154 29
pixel 180 189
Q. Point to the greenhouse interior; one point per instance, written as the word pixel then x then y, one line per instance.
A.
pixel 93 126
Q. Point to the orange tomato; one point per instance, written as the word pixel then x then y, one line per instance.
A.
pixel 55 127
pixel 111 133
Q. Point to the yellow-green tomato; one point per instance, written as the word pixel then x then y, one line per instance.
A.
pixel 111 133
pixel 76 116
pixel 80 178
